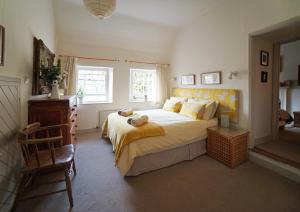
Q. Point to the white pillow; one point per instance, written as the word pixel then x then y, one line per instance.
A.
pixel 172 105
pixel 178 99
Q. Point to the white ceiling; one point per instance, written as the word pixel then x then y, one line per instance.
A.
pixel 142 25
pixel 175 13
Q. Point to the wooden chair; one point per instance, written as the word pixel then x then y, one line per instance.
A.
pixel 47 153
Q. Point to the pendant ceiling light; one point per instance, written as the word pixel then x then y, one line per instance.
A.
pixel 100 8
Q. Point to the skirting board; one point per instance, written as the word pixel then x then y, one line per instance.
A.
pixel 88 131
pixel 281 168
pixel 262 140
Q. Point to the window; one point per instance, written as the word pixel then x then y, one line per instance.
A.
pixel 94 84
pixel 142 84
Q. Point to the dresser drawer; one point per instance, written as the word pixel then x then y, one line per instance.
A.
pixel 53 112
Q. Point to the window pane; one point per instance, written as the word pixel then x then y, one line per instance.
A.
pixel 94 83
pixel 142 83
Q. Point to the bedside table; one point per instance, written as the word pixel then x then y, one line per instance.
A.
pixel 227 145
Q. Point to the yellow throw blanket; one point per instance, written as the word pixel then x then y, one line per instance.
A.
pixel 121 133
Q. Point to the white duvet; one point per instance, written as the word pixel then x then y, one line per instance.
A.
pixel 180 130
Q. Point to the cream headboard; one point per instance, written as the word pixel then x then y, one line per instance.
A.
pixel 227 98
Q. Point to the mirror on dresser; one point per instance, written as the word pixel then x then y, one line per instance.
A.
pixel 41 108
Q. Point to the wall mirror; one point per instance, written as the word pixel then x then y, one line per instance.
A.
pixel 41 56
pixel 2 45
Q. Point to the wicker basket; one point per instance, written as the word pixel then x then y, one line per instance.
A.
pixel 230 150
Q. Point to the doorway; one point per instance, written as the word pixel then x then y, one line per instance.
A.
pixel 274 88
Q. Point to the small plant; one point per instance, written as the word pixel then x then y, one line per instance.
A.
pixel 80 93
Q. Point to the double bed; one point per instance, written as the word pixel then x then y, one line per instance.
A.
pixel 184 138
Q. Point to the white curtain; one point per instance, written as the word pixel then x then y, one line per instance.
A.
pixel 161 83
pixel 283 98
pixel 68 65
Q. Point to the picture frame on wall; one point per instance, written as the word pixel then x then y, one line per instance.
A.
pixel 264 77
pixel 211 78
pixel 2 45
pixel 188 79
pixel 264 58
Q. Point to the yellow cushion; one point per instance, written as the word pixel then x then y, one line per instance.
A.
pixel 193 110
pixel 172 106
pixel 210 110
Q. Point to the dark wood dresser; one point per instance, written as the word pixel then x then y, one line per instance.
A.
pixel 55 111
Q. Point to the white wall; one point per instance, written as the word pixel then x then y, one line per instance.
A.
pixel 219 41
pixel 23 20
pixel 290 53
pixel 88 115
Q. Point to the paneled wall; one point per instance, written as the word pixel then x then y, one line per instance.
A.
pixel 9 155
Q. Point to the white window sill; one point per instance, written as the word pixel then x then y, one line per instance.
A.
pixel 139 101
pixel 93 103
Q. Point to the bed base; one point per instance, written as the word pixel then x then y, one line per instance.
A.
pixel 167 158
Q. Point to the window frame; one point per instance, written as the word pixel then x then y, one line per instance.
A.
pixel 108 83
pixel 153 71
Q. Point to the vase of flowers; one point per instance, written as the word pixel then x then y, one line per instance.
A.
pixel 50 74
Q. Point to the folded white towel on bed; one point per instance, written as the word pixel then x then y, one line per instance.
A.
pixel 138 121
pixel 125 112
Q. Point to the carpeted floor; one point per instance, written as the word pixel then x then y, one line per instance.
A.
pixel 290 134
pixel 199 185
pixel 286 149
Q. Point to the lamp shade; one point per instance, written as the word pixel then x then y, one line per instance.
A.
pixel 100 8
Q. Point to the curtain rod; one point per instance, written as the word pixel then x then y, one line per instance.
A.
pixel 115 60
pixel 91 58
pixel 142 62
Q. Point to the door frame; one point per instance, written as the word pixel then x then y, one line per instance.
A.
pixel 275 90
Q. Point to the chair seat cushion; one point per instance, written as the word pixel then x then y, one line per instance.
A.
pixel 63 156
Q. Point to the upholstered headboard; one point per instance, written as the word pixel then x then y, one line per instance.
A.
pixel 227 98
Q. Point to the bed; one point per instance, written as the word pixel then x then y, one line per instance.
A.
pixel 184 139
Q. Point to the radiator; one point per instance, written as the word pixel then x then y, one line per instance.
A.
pixel 103 115
pixel 10 161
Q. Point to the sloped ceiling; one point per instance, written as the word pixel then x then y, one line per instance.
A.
pixel 140 25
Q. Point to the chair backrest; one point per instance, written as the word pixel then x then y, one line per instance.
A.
pixel 32 144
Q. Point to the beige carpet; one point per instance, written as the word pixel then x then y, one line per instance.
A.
pixel 290 134
pixel 199 185
pixel 283 149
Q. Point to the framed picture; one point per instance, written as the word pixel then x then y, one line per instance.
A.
pixel 211 78
pixel 264 58
pixel 264 76
pixel 188 79
pixel 2 45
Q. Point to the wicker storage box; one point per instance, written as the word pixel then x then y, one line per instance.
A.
pixel 228 146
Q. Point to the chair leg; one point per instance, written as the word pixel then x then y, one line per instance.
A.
pixel 74 167
pixel 69 187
